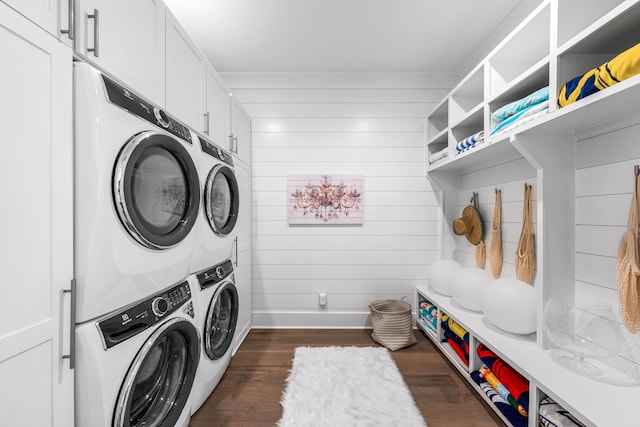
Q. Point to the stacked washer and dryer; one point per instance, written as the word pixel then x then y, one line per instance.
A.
pixel 216 295
pixel 140 337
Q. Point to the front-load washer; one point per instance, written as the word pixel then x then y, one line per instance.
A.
pixel 220 205
pixel 137 195
pixel 136 366
pixel 217 306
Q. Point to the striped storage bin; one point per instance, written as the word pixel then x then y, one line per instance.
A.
pixel 392 324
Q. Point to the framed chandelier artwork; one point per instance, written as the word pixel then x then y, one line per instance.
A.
pixel 325 199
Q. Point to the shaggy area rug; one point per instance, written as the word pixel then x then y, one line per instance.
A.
pixel 347 386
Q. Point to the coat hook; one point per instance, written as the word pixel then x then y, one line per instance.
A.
pixel 498 190
pixel 636 170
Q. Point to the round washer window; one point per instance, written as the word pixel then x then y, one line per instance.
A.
pixel 221 199
pixel 157 386
pixel 156 189
pixel 221 321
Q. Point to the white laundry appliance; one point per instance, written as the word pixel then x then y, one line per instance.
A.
pixel 137 195
pixel 136 366
pixel 217 308
pixel 220 205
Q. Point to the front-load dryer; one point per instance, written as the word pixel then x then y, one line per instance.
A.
pixel 220 205
pixel 216 310
pixel 137 195
pixel 136 366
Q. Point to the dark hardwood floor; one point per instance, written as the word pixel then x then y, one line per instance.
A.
pixel 249 393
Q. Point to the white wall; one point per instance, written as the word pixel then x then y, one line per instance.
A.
pixel 370 124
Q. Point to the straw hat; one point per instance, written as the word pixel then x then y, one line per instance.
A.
pixel 469 225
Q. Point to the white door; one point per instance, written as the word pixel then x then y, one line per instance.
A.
pixel 127 40
pixel 241 129
pixel 185 77
pixel 36 383
pixel 218 114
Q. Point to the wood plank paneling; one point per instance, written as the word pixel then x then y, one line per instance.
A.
pixel 376 131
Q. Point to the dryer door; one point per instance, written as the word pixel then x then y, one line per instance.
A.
pixel 156 189
pixel 157 386
pixel 221 199
pixel 220 324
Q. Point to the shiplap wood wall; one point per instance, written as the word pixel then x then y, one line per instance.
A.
pixel 369 124
pixel 604 186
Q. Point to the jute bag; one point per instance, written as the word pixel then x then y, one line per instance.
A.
pixel 627 271
pixel 525 254
pixel 481 252
pixel 392 323
pixel 495 252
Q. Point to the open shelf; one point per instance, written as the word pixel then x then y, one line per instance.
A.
pixel 582 396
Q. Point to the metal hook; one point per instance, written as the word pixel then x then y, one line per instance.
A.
pixel 636 170
pixel 497 191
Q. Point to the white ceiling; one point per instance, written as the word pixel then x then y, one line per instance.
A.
pixel 341 35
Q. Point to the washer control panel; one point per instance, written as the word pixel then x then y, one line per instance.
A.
pixel 215 274
pixel 134 104
pixel 138 317
pixel 214 151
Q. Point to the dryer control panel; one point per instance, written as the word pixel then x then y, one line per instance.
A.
pixel 139 317
pixel 215 274
pixel 134 104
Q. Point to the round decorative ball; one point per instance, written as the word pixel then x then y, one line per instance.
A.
pixel 441 273
pixel 468 286
pixel 510 304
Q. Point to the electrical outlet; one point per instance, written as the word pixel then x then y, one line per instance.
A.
pixel 322 300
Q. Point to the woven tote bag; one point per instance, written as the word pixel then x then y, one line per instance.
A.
pixel 525 254
pixel 481 251
pixel 627 271
pixel 392 324
pixel 495 251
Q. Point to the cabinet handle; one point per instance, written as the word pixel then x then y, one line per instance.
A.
pixel 206 123
pixel 235 144
pixel 72 25
pixel 96 31
pixel 72 325
pixel 235 241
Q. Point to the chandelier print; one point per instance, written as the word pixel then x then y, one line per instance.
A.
pixel 325 199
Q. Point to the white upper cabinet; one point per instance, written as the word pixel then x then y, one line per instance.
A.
pixel 51 15
pixel 240 132
pixel 185 76
pixel 217 115
pixel 36 382
pixel 127 40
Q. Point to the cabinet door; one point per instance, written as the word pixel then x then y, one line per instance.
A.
pixel 241 130
pixel 185 76
pixel 36 383
pixel 242 250
pixel 43 13
pixel 218 105
pixel 127 40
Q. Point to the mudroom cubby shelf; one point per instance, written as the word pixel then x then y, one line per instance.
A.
pixel 593 403
pixel 561 39
pixel 550 47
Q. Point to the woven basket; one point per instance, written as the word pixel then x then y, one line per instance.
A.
pixel 392 324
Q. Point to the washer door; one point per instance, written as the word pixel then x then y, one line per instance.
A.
pixel 156 189
pixel 157 386
pixel 220 324
pixel 221 199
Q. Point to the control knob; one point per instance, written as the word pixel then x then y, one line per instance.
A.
pixel 220 272
pixel 161 117
pixel 159 306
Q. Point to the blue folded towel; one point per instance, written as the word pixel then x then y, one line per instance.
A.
pixel 509 110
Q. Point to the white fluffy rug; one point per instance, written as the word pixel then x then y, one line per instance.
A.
pixel 347 386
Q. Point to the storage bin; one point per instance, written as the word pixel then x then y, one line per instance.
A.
pixel 392 324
